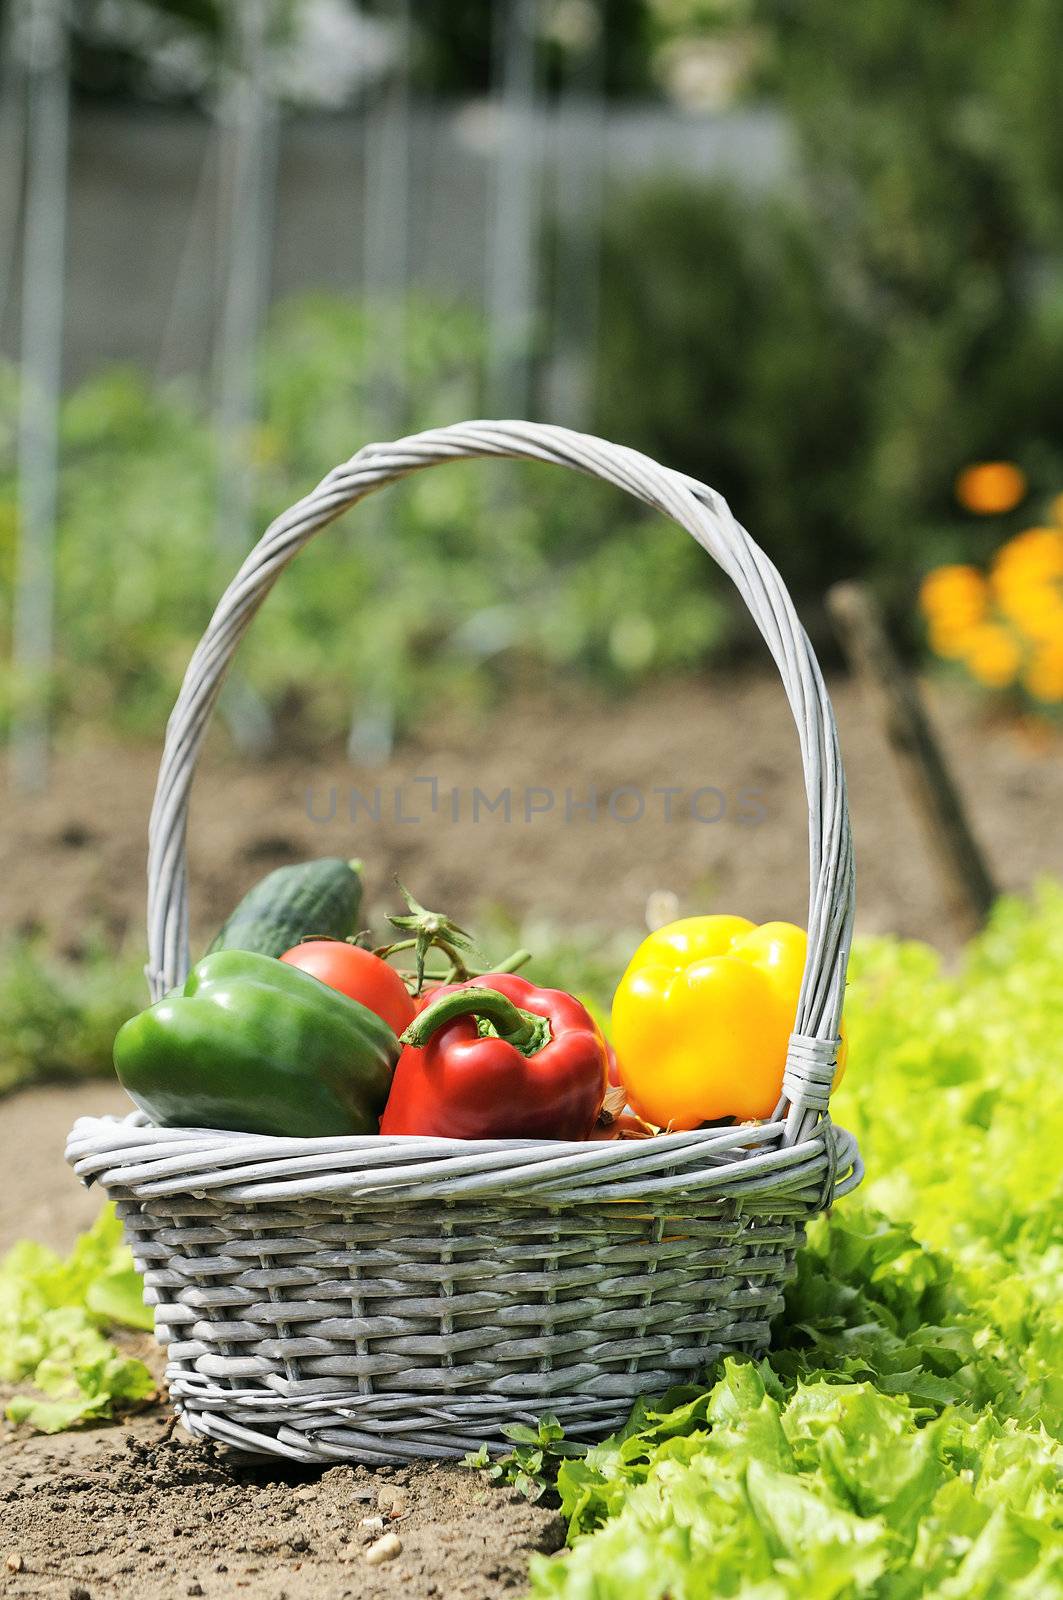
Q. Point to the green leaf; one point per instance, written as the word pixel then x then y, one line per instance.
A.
pixel 119 1297
pixel 903 1438
pixel 800 1524
pixel 53 1320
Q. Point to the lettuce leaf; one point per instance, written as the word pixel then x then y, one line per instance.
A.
pixel 54 1314
pixel 903 1438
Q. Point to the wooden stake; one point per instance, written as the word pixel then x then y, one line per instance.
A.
pixel 901 713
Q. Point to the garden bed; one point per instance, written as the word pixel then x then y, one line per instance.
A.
pixel 73 859
pixel 132 1511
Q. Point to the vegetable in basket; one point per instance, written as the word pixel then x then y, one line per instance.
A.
pixel 499 1058
pixel 320 897
pixel 357 973
pixel 396 994
pixel 702 1019
pixel 257 1046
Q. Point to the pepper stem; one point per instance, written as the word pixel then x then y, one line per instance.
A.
pixel 522 1029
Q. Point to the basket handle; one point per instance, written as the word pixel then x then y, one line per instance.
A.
pixel 707 518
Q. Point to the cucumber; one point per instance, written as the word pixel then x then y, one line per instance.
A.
pixel 310 897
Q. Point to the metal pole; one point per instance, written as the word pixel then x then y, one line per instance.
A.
pixel 386 235
pixel 579 170
pixel 177 352
pixel 386 275
pixel 12 153
pixel 249 135
pixel 513 234
pixel 41 378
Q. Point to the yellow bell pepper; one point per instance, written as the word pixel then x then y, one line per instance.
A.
pixel 702 1018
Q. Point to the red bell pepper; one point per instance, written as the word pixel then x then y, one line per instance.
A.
pixel 498 1058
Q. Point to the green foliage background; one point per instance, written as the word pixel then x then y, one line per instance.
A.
pixel 453 586
pixel 828 353
pixel 829 356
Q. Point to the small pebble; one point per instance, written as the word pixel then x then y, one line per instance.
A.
pixel 385 1549
pixel 15 1563
pixel 391 1501
pixel 194 1588
pixel 372 1524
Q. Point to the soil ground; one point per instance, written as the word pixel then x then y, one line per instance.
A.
pixel 123 1511
pixel 132 1513
pixel 732 835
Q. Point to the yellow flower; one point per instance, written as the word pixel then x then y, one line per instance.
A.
pixel 1044 674
pixel 1034 605
pixel 990 487
pixel 949 639
pixel 992 655
pixel 1035 554
pixel 1042 618
pixel 956 595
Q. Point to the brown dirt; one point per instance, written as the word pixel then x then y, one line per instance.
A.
pixel 47 1202
pixel 75 856
pixel 151 1517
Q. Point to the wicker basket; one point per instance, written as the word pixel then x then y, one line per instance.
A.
pixel 382 1299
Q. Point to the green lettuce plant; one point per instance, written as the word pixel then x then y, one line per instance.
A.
pixel 903 1438
pixel 54 1319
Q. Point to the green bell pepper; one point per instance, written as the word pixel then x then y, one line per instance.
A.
pixel 257 1046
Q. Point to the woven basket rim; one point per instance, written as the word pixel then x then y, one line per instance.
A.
pixel 750 1158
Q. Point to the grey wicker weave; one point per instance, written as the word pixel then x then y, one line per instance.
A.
pixel 382 1299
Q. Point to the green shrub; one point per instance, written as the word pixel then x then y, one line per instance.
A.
pixel 58 1017
pixel 447 587
pixel 767 351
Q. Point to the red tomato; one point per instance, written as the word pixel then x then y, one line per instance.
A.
pixel 359 974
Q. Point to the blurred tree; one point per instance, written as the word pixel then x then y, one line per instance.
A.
pixel 831 356
pixel 932 153
pixel 321 52
pixel 724 353
pixel 164 49
pixel 173 50
pixel 454 43
pixel 1023 83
